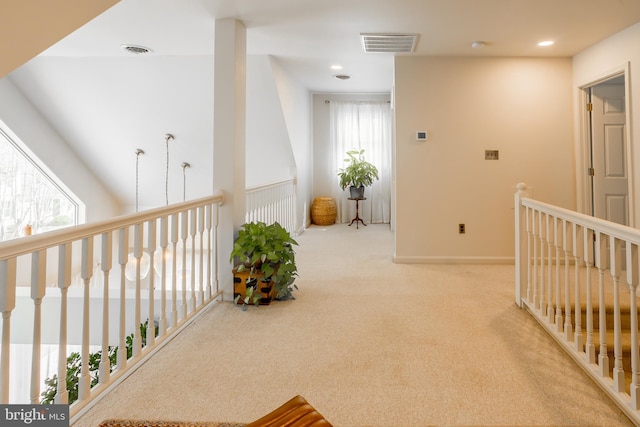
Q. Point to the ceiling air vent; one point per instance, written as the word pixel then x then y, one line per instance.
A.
pixel 388 43
pixel 137 50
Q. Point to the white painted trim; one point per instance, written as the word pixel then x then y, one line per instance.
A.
pixel 582 177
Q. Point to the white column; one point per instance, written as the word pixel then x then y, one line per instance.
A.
pixel 229 112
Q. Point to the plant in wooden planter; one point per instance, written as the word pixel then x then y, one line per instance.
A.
pixel 265 254
pixel 358 174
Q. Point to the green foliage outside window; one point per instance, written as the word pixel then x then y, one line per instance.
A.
pixel 74 368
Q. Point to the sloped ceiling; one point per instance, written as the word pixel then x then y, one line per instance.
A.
pixel 106 102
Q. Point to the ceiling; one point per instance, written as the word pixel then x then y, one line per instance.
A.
pixel 105 102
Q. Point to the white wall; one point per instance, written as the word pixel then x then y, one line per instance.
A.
pixel 519 106
pixel 325 178
pixel 609 56
pixel 43 140
pixel 295 100
pixel 268 153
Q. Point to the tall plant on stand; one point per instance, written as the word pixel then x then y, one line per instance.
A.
pixel 358 174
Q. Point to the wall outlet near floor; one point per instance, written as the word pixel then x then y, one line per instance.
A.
pixel 461 228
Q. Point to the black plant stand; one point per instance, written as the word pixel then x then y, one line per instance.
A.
pixel 357 219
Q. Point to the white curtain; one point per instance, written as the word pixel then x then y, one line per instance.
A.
pixel 363 125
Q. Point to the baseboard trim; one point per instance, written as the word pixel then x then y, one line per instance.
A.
pixel 452 260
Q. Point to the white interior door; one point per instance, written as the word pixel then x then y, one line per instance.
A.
pixel 610 174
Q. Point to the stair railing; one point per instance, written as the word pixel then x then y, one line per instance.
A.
pixel 273 203
pixel 96 285
pixel 578 275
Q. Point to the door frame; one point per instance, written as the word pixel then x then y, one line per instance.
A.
pixel 584 160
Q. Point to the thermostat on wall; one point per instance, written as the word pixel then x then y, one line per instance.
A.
pixel 421 135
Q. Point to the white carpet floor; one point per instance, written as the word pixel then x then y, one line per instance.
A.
pixel 369 343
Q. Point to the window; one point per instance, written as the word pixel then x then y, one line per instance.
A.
pixel 30 196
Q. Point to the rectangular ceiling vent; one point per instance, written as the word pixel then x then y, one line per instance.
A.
pixel 388 43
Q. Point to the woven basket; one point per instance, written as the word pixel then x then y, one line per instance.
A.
pixel 323 211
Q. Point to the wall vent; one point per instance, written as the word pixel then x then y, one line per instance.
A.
pixel 136 50
pixel 388 43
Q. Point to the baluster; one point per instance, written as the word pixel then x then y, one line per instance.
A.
pixel 184 221
pixel 601 263
pixel 541 263
pixel 557 237
pixel 633 266
pixel 578 250
pixel 192 232
pixel 566 246
pixel 164 240
pixel 616 269
pixel 137 254
pixel 64 281
pixel 549 238
pixel 294 203
pixel 215 247
pixel 527 221
pixel 535 232
pixel 7 304
pixel 84 383
pixel 151 245
pixel 174 270
pixel 207 224
pixel 38 290
pixel 590 348
pixel 123 258
pixel 105 363
pixel 201 254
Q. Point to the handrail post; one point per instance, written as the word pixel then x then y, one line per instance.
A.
pixel 521 257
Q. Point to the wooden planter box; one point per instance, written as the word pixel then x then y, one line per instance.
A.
pixel 266 289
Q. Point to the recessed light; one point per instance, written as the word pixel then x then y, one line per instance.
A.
pixel 546 43
pixel 336 67
pixel 478 45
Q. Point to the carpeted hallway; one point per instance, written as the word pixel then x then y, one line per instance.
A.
pixel 369 343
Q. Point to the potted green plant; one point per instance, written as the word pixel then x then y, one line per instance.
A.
pixel 265 254
pixel 358 174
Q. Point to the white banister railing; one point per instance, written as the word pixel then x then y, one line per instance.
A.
pixel 273 203
pixel 593 311
pixel 119 288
